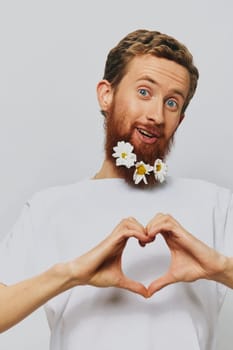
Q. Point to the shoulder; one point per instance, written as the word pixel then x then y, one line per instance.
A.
pixel 47 200
pixel 202 190
pixel 192 183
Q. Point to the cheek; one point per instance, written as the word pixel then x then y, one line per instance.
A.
pixel 127 111
pixel 171 126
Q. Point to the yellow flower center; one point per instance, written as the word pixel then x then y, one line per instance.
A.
pixel 141 170
pixel 158 167
pixel 123 155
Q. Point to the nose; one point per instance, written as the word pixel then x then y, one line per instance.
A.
pixel 155 111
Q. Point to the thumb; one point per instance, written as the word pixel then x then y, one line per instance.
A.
pixel 159 283
pixel 134 286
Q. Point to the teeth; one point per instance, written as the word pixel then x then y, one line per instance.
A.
pixel 146 133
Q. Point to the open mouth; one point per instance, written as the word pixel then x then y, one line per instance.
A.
pixel 146 133
pixel 147 136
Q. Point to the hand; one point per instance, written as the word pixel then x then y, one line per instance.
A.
pixel 101 266
pixel 191 259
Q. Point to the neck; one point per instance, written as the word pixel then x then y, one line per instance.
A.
pixel 108 170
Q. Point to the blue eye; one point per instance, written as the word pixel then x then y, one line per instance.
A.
pixel 171 104
pixel 143 92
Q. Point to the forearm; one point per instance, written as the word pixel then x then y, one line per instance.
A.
pixel 99 267
pixel 19 300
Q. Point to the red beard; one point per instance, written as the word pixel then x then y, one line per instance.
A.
pixel 147 153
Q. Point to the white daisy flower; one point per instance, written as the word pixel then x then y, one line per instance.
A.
pixel 124 154
pixel 141 171
pixel 160 170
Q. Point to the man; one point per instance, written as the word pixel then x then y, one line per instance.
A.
pixel 148 83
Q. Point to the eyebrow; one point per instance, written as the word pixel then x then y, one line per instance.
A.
pixel 154 82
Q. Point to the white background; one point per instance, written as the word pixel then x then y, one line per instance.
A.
pixel 52 55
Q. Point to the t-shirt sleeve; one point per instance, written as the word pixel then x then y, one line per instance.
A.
pixel 223 222
pixel 223 231
pixel 229 230
pixel 18 250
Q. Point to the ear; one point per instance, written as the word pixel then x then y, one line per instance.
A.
pixel 104 95
pixel 181 118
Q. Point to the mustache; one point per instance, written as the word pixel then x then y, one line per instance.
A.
pixel 156 130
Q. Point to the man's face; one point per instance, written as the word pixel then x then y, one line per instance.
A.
pixel 146 108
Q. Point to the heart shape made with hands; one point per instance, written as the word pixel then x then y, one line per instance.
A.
pixel 190 258
pixel 148 271
pixel 146 263
pixel 187 261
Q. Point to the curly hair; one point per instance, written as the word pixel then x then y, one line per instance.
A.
pixel 141 42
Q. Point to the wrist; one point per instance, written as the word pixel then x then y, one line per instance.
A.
pixel 72 272
pixel 225 274
pixel 62 276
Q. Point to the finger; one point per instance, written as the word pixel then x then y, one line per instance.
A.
pixel 164 223
pixel 145 242
pixel 155 219
pixel 130 227
pixel 175 235
pixel 159 284
pixel 139 231
pixel 145 239
pixel 134 286
pixel 136 222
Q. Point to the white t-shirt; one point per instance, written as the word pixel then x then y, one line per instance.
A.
pixel 61 223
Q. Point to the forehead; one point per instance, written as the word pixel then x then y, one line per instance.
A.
pixel 162 71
